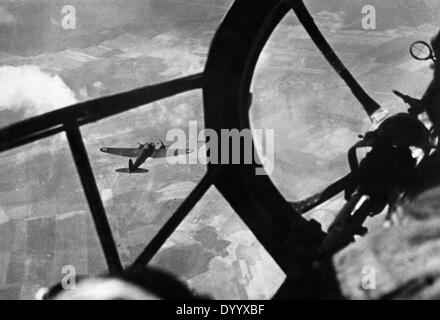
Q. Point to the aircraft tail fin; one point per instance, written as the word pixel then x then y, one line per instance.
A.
pixel 131 169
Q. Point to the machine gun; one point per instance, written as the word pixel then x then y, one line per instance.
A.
pixel 390 169
pixel 380 179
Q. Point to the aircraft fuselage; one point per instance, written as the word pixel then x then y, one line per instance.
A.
pixel 139 155
pixel 146 152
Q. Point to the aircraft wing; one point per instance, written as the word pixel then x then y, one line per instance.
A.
pixel 162 153
pixel 124 152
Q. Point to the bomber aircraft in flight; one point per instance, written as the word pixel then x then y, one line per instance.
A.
pixel 142 153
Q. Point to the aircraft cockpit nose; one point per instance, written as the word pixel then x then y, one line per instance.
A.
pixel 103 149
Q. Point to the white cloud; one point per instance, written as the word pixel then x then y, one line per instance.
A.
pixel 29 88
